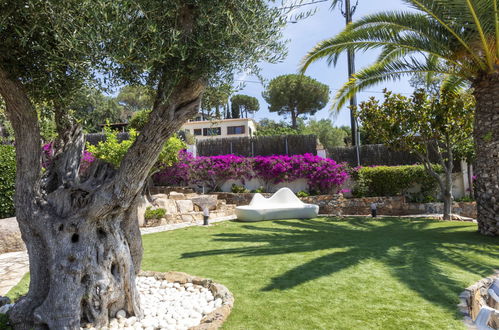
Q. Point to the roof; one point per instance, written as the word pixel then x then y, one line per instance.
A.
pixel 220 120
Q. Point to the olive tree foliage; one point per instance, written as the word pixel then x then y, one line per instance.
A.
pixel 135 98
pixel 295 95
pixel 81 229
pixel 424 125
pixel 242 104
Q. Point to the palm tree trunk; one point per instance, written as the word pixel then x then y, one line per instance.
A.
pixel 486 135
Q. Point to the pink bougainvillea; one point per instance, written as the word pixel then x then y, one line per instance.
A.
pixel 323 175
pixel 48 154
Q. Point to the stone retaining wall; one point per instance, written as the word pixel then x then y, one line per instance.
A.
pixel 339 205
pixel 476 296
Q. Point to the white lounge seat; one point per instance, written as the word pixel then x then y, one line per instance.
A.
pixel 282 205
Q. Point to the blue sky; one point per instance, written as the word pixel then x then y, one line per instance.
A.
pixel 303 36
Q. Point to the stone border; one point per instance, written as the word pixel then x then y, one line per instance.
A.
pixel 473 298
pixel 215 319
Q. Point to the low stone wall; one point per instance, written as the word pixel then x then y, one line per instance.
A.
pixel 10 236
pixel 473 298
pixel 339 205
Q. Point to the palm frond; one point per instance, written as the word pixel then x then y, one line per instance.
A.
pixel 386 71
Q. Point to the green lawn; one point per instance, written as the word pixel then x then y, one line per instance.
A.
pixel 328 273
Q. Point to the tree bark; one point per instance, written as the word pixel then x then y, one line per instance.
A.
pixel 486 167
pixel 294 115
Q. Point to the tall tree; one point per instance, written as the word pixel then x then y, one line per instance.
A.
pixel 329 135
pixel 81 229
pixel 92 108
pixel 269 127
pixel 242 104
pixel 215 99
pixel 464 36
pixel 296 95
pixel 136 97
pixel 424 126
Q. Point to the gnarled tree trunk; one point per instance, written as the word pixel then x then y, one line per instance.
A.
pixel 486 167
pixel 81 231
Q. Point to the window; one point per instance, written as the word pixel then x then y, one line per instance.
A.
pixel 212 131
pixel 235 130
pixel 198 131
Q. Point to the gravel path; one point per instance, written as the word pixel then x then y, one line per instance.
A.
pixel 14 265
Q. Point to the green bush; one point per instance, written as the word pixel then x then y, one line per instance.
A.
pixel 7 180
pixel 4 322
pixel 302 194
pixel 238 189
pixel 113 151
pixel 395 181
pixel 465 199
pixel 258 190
pixel 139 120
pixel 154 213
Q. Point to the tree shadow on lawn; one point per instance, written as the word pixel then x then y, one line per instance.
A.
pixel 411 249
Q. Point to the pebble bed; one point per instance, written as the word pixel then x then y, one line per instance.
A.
pixel 167 305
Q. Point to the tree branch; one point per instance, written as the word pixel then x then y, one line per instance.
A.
pixel 164 120
pixel 68 151
pixel 24 120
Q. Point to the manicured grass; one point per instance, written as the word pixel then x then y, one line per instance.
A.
pixel 328 273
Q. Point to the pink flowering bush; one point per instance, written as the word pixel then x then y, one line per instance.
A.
pixel 48 154
pixel 323 175
pixel 177 175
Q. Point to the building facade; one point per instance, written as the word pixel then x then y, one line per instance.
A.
pixel 220 128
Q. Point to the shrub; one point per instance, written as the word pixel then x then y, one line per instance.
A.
pixel 238 189
pixel 4 322
pixel 302 194
pixel 7 180
pixel 215 170
pixel 323 175
pixel 394 181
pixel 139 120
pixel 154 213
pixel 258 190
pixel 111 150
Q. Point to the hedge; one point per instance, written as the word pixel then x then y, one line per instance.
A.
pixel 7 180
pixel 394 181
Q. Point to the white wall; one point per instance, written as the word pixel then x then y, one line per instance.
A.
pixel 223 124
pixel 295 186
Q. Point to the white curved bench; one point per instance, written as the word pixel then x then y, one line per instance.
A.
pixel 282 205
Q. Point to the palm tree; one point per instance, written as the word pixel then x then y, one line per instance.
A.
pixel 464 36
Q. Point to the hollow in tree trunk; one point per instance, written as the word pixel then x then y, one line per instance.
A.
pixel 486 167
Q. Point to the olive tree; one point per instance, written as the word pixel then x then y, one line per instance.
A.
pixel 295 95
pixel 81 230
pixel 441 125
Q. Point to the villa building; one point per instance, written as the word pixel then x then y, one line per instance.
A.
pixel 220 128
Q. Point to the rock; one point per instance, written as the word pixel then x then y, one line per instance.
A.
pixel 176 196
pixel 141 209
pixel 10 236
pixel 185 206
pixel 168 204
pixel 121 314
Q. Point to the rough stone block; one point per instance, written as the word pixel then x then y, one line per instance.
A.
pixel 176 196
pixel 169 205
pixel 185 206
